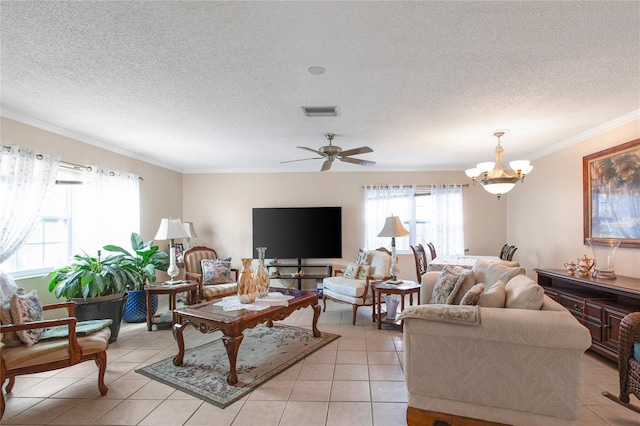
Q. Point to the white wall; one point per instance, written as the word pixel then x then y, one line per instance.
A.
pixel 545 214
pixel 220 206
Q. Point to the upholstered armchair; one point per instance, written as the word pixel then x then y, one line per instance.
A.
pixel 217 281
pixel 46 355
pixel 353 285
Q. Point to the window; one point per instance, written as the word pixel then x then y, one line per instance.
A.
pixel 430 214
pixel 79 217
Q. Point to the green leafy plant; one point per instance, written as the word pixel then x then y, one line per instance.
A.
pixel 89 276
pixel 142 265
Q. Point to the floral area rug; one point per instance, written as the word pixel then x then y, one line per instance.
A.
pixel 263 353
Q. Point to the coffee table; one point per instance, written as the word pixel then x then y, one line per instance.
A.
pixel 207 318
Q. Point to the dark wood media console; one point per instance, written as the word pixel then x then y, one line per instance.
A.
pixel 598 304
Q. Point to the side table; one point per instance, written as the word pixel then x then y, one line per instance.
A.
pixel 172 291
pixel 380 288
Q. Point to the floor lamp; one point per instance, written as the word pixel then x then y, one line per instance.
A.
pixel 393 228
pixel 171 229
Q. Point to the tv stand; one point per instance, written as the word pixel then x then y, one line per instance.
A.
pixel 299 267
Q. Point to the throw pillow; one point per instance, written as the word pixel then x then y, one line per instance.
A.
pixel 24 309
pixel 363 272
pixel 363 257
pixel 7 284
pixel 472 296
pixel 494 297
pixel 469 281
pixel 351 271
pixel 490 272
pixel 216 271
pixel 447 286
pixel 11 338
pixel 524 293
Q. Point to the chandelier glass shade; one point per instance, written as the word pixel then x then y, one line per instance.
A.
pixel 493 178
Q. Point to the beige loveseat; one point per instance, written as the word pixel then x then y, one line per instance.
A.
pixel 503 365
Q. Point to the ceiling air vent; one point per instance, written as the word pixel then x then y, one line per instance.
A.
pixel 324 111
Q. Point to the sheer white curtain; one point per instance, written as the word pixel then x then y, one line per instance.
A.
pixel 25 180
pixel 446 212
pixel 106 211
pixel 381 201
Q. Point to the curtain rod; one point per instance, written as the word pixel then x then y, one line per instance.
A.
pixel 65 164
pixel 422 187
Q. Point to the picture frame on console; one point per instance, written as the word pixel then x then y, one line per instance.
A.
pixel 611 199
pixel 179 254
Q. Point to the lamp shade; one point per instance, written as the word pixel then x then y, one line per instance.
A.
pixel 170 229
pixel 393 228
pixel 189 231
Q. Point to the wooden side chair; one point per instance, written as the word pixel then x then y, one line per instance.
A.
pixel 192 259
pixel 432 249
pixel 420 257
pixel 511 252
pixel 47 355
pixel 504 251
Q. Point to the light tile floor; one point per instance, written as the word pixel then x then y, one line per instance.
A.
pixel 356 380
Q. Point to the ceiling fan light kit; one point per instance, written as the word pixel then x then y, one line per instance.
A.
pixel 493 178
pixel 331 152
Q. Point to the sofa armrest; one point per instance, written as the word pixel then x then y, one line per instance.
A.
pixel 426 286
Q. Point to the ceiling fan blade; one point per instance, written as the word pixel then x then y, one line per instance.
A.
pixel 326 165
pixel 358 161
pixel 309 149
pixel 355 151
pixel 302 159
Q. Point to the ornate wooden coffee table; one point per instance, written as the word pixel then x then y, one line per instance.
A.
pixel 207 318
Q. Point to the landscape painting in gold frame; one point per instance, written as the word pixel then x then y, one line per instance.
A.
pixel 611 193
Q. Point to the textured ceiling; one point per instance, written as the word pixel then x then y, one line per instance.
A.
pixel 202 86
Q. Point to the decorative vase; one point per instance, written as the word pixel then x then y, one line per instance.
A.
pixel 604 251
pixel 246 283
pixel 262 274
pixel 392 306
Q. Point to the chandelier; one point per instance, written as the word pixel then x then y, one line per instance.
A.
pixel 493 178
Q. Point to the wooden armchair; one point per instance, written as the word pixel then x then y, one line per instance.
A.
pixel 52 354
pixel 193 271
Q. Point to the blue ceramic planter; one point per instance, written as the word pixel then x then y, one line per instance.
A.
pixel 136 310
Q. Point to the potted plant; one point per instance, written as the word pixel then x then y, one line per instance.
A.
pixel 140 266
pixel 96 285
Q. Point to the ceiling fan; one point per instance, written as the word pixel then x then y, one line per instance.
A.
pixel 331 152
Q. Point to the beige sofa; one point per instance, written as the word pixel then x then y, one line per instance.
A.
pixel 503 365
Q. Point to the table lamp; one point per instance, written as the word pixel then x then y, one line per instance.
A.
pixel 393 228
pixel 190 232
pixel 171 229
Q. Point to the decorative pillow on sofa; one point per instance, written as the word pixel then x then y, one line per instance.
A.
pixel 447 286
pixel 494 297
pixel 26 308
pixel 469 281
pixel 216 271
pixel 351 270
pixel 524 293
pixel 490 272
pixel 11 338
pixel 472 296
pixel 363 272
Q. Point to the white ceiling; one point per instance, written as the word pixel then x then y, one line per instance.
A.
pixel 204 86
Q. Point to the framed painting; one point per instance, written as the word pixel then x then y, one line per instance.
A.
pixel 611 193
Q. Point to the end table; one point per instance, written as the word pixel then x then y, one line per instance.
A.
pixel 172 291
pixel 380 288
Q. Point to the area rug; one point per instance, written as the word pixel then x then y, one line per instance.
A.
pixel 263 354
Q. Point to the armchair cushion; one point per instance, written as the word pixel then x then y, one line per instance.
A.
pixel 347 286
pixel 380 264
pixel 216 271
pixel 9 338
pixel 26 308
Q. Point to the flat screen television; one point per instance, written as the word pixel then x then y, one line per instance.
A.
pixel 298 232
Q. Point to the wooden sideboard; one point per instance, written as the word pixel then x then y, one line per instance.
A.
pixel 598 304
